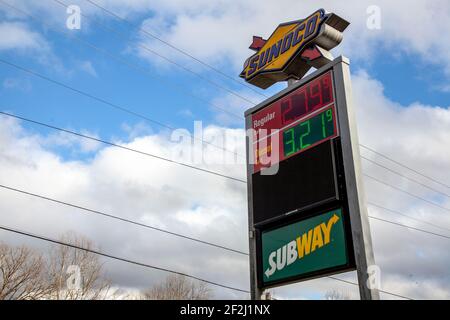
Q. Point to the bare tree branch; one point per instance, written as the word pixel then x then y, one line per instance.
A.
pixel 177 287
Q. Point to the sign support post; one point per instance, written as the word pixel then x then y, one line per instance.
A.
pixel 255 291
pixel 307 208
pixel 362 240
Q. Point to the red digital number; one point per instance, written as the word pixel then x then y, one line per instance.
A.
pixel 307 99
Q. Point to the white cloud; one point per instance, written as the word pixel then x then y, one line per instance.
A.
pixel 214 209
pixel 134 187
pixel 162 194
pixel 17 83
pixel 17 35
pixel 220 33
pixel 87 67
pixel 67 140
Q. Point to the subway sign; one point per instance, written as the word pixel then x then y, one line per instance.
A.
pixel 302 249
pixel 300 212
pixel 306 206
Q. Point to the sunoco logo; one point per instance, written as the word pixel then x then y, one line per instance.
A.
pixel 293 48
pixel 287 39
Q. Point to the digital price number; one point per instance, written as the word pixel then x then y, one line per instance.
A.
pixel 303 118
pixel 309 132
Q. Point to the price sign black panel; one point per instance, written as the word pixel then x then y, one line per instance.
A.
pixel 303 180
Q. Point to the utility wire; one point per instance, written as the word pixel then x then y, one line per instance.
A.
pixel 123 36
pixel 113 257
pixel 105 102
pixel 383 291
pixel 131 65
pixel 124 148
pixel 163 125
pixel 406 216
pixel 175 234
pixel 405 177
pixel 158 157
pixel 135 66
pixel 161 158
pixel 232 92
pixel 409 227
pixel 110 256
pixel 404 166
pixel 174 47
pixel 186 237
pixel 406 192
pixel 220 72
pixel 203 141
pixel 102 213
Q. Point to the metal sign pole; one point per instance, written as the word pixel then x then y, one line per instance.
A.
pixel 362 240
pixel 255 291
pixel 354 190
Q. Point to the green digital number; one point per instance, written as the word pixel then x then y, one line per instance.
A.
pixel 309 132
pixel 324 128
pixel 329 114
pixel 291 142
pixel 304 135
pixel 329 118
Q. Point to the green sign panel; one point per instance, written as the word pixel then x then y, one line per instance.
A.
pixel 304 248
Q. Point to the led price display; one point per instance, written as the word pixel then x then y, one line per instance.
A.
pixel 307 99
pixel 283 113
pixel 308 133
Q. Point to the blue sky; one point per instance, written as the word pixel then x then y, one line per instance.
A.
pixel 401 89
pixel 407 78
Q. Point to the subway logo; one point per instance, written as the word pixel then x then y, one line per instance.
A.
pixel 311 245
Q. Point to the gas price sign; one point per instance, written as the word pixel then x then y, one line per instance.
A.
pixel 300 212
pixel 306 208
pixel 299 121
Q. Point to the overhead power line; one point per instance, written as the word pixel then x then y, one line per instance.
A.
pixel 203 141
pixel 123 36
pixel 383 291
pixel 409 227
pixel 406 216
pixel 186 237
pixel 144 153
pixel 124 147
pixel 152 35
pixel 107 215
pixel 187 165
pixel 110 256
pixel 189 238
pixel 206 142
pixel 406 177
pixel 106 102
pixel 132 65
pixel 141 152
pixel 225 248
pixel 406 192
pixel 113 257
pixel 405 166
